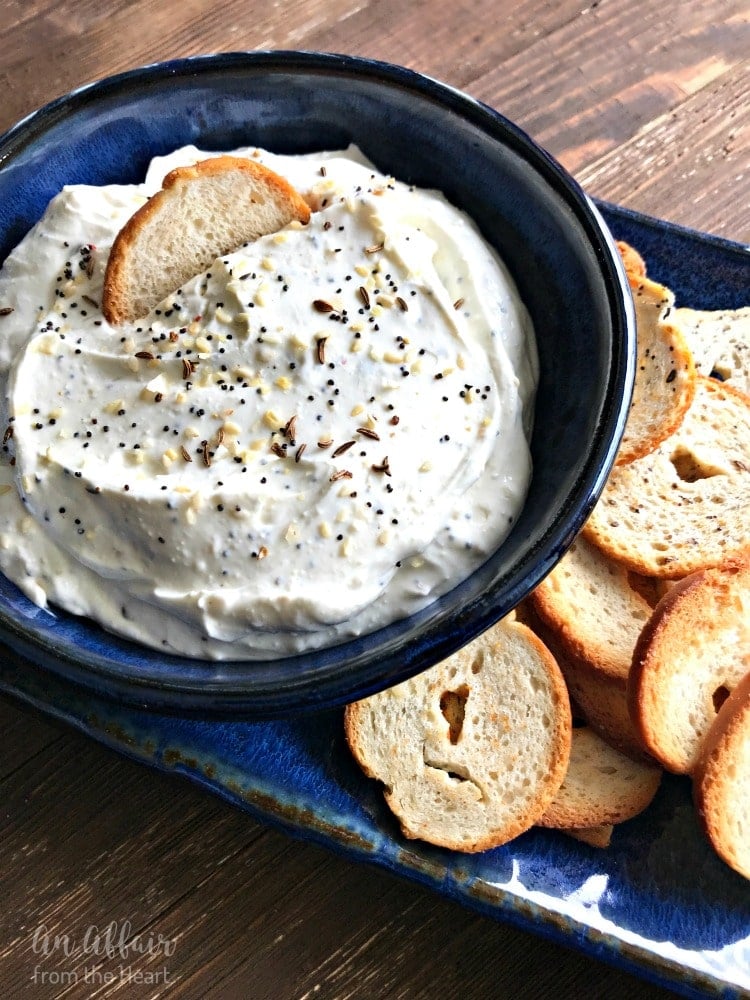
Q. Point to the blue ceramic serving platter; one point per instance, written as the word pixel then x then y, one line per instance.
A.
pixel 658 902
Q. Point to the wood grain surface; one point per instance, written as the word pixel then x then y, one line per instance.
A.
pixel 649 106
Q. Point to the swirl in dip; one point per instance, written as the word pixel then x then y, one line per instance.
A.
pixel 317 436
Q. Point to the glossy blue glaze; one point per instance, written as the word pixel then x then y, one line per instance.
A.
pixel 421 131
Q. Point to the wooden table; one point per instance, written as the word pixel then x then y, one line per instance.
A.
pixel 648 104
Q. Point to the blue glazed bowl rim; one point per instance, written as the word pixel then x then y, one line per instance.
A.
pixel 350 670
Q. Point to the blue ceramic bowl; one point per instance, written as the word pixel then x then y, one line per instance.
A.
pixel 551 237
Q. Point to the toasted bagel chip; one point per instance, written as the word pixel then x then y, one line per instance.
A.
pixel 602 786
pixel 685 506
pixel 597 691
pixel 665 373
pixel 720 343
pixel 201 212
pixel 594 836
pixel 635 265
pixel 691 655
pixel 721 783
pixel 471 751
pixel 590 605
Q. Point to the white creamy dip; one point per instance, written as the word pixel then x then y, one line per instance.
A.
pixel 317 436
